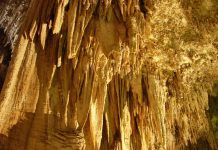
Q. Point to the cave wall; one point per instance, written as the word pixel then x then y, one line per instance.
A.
pixel 106 74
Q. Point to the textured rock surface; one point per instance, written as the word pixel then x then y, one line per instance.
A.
pixel 107 74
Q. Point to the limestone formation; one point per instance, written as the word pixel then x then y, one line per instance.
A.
pixel 108 74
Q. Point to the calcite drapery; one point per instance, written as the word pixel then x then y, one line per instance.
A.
pixel 103 74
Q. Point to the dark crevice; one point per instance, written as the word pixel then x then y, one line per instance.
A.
pixel 201 144
pixel 5 56
pixel 142 7
pixel 213 111
pixel 104 144
pixel 177 134
pixel 144 90
pixel 67 7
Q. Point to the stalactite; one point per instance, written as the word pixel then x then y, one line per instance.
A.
pixel 106 74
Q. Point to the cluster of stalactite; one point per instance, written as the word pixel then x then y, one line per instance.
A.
pixel 110 74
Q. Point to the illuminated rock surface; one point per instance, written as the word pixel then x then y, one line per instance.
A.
pixel 108 74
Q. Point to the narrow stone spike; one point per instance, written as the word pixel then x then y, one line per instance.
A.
pixel 72 14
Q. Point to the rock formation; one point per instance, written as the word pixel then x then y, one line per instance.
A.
pixel 108 74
